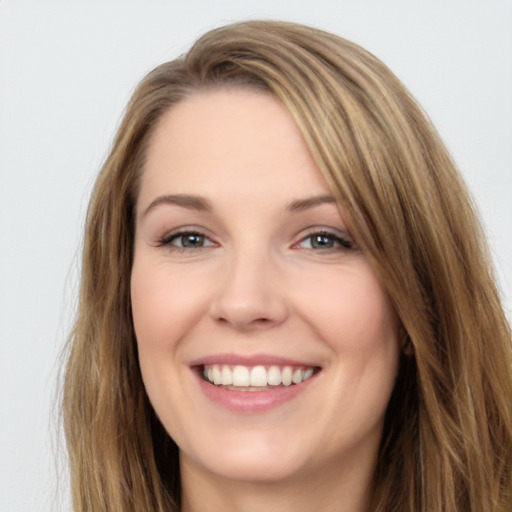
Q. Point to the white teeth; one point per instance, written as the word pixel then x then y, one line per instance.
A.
pixel 255 377
pixel 286 376
pixel 217 377
pixel 258 376
pixel 274 376
pixel 298 376
pixel 240 376
pixel 227 376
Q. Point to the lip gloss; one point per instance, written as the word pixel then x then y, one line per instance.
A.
pixel 252 401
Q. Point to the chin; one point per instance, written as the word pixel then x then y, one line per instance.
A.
pixel 255 459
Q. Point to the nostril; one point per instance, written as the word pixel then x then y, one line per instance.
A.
pixel 244 324
pixel 262 321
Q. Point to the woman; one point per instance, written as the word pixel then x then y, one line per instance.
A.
pixel 286 298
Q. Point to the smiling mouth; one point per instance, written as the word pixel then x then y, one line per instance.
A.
pixel 256 378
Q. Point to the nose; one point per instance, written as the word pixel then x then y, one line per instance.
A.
pixel 250 294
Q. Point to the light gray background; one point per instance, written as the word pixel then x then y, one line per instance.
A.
pixel 66 72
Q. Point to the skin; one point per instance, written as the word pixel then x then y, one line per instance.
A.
pixel 257 284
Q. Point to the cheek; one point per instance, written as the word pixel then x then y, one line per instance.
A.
pixel 356 319
pixel 164 307
pixel 150 306
pixel 351 311
pixel 164 304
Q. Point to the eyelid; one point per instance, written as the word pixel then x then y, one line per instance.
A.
pixel 167 238
pixel 343 237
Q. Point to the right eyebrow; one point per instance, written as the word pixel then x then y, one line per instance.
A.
pixel 184 200
pixel 307 203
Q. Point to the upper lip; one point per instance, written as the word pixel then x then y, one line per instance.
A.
pixel 249 360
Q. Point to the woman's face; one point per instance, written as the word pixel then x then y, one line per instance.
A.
pixel 267 346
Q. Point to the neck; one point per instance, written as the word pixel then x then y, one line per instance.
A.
pixel 329 490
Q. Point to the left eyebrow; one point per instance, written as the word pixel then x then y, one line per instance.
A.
pixel 188 201
pixel 300 205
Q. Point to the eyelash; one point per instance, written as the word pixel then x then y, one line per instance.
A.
pixel 339 243
pixel 166 241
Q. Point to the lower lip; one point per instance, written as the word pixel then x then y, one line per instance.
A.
pixel 252 402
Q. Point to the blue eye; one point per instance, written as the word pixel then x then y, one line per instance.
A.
pixel 325 241
pixel 186 240
pixel 189 240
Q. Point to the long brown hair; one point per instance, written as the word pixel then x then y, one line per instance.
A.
pixel 447 442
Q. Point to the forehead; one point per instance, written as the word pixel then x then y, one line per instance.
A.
pixel 236 140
